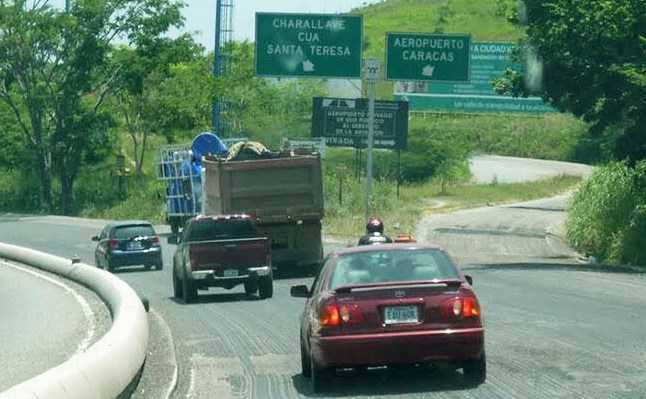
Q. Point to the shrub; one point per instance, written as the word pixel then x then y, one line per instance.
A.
pixel 607 217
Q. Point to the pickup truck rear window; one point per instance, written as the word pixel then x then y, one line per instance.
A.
pixel 221 229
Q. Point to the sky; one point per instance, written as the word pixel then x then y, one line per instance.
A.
pixel 200 14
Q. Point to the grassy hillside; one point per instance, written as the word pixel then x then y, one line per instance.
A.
pixel 484 20
pixel 556 136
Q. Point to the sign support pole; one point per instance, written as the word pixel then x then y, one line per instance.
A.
pixel 372 75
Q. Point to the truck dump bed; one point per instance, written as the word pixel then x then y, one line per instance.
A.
pixel 273 190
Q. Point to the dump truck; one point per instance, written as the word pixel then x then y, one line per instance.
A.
pixel 282 191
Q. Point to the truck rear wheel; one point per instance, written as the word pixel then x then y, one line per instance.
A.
pixel 265 287
pixel 174 226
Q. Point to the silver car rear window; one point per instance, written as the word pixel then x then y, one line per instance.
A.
pixel 134 231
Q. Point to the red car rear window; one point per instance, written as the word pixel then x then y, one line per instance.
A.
pixel 391 266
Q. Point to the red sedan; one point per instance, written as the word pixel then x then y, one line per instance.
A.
pixel 388 305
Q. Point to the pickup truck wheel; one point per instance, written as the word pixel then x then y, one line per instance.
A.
pixel 250 287
pixel 189 291
pixel 265 287
pixel 177 287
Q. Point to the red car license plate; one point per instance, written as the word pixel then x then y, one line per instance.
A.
pixel 401 314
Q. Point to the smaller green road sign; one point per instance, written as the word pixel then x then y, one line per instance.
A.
pixel 309 45
pixel 427 57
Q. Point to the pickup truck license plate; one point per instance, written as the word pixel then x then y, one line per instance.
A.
pixel 401 314
pixel 230 273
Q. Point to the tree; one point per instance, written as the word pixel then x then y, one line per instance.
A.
pixel 142 100
pixel 593 54
pixel 55 74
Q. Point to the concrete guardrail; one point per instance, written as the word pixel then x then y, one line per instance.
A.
pixel 107 369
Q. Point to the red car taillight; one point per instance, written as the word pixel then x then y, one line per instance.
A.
pixel 114 243
pixel 330 316
pixel 333 316
pixel 460 307
pixel 155 241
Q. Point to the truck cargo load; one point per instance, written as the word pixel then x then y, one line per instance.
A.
pixel 272 190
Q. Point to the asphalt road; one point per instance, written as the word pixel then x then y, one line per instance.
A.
pixel 556 327
pixel 44 320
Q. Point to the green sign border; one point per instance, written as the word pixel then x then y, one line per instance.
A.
pixel 266 67
pixel 396 71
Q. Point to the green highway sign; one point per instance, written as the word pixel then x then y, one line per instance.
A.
pixel 427 57
pixel 489 60
pixel 308 45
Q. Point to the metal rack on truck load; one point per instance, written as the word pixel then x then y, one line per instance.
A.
pixel 181 169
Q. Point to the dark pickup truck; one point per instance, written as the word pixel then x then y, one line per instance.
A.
pixel 221 251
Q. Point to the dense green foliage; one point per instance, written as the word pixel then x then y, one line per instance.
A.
pixel 593 61
pixel 55 74
pixel 588 58
pixel 607 216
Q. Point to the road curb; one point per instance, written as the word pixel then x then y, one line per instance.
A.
pixel 109 367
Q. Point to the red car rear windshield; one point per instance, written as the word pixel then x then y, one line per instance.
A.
pixel 221 229
pixel 391 266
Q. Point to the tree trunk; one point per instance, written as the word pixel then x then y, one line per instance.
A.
pixel 67 194
pixel 47 197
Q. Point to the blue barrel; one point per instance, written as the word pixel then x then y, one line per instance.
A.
pixel 207 143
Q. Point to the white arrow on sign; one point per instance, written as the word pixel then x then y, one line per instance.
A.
pixel 308 66
pixel 428 70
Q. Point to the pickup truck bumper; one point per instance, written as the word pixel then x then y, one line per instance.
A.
pixel 224 275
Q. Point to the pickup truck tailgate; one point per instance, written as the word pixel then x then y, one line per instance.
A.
pixel 229 254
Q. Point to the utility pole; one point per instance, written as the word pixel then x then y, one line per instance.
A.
pixel 372 76
pixel 68 6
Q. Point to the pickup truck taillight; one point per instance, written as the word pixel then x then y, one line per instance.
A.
pixel 155 242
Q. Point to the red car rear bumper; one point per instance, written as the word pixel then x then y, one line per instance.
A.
pixel 397 348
